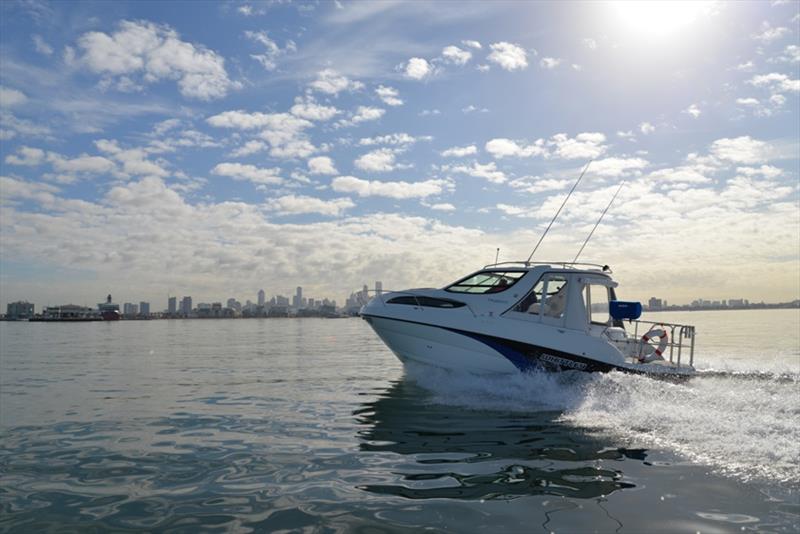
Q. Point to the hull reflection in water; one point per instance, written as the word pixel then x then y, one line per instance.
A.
pixel 485 455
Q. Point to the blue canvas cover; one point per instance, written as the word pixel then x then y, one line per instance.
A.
pixel 621 309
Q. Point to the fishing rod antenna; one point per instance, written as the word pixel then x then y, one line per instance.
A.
pixel 598 222
pixel 559 211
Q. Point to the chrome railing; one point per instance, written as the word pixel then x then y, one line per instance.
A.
pixel 563 264
pixel 675 344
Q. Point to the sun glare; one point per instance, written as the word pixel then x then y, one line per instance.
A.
pixel 658 18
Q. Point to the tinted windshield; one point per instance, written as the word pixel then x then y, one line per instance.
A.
pixel 487 282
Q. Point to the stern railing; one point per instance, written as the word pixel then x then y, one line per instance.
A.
pixel 675 343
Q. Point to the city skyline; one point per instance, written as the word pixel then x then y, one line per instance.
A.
pixel 323 144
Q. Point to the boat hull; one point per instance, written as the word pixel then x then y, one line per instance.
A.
pixel 482 354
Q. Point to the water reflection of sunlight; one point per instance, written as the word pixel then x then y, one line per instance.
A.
pixel 446 452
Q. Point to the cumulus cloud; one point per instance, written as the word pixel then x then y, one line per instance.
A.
pixel 776 82
pixel 417 68
pixel 362 114
pixel 155 52
pixel 398 190
pixel 442 206
pixel 299 204
pixel 380 160
pixel 321 165
pixel 742 149
pixel 251 173
pixel 768 33
pixel 283 131
pixel 389 95
pixel 501 148
pixel 455 55
pixel 536 184
pixel 508 56
pixel 272 52
pixel 488 172
pixel 250 147
pixel 331 82
pixel 308 108
pixel 27 156
pixel 41 46
pixel 472 44
pixel 584 146
pixel 398 139
pixel 11 97
pixel 617 166
pixel 459 151
pixel 646 128
pixel 134 161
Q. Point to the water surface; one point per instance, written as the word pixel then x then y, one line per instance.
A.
pixel 310 424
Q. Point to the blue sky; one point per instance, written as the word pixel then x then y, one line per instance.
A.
pixel 213 149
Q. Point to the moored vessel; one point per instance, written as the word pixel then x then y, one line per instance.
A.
pixel 108 310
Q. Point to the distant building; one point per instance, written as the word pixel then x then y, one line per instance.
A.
pixel 280 300
pixel 297 300
pixel 19 310
pixel 130 309
pixel 261 297
pixel 144 308
pixel 654 304
pixel 172 305
pixel 68 311
pixel 186 306
pixel 378 288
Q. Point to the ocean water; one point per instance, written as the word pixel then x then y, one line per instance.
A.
pixel 312 425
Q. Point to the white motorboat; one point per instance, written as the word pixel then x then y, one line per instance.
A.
pixel 520 316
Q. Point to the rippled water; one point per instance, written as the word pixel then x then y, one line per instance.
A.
pixel 264 425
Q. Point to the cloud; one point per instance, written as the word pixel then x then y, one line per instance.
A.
pixel 388 95
pixel 743 149
pixel 509 56
pixel 791 54
pixel 86 164
pixel 646 128
pixel 41 46
pixel 397 190
pixel 767 33
pixel 362 114
pixel 380 160
pixel 776 82
pixel 331 82
pixel 321 165
pixel 241 172
pixel 283 131
pixel 488 172
pixel 549 62
pixel 693 110
pixel 535 184
pixel 134 160
pixel 459 151
pixel 455 55
pixel 307 108
pixel 155 52
pixel 584 146
pixel 272 52
pixel 472 44
pixel 443 206
pixel 298 204
pixel 686 175
pixel 27 156
pixel 417 68
pixel 469 109
pixel 399 139
pixel 615 167
pixel 251 147
pixel 11 97
pixel 590 43
pixel 501 148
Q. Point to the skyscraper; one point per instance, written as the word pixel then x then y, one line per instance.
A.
pixel 260 297
pixel 144 308
pixel 186 306
pixel 172 305
pixel 297 301
pixel 378 288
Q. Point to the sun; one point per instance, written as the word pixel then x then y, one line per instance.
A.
pixel 658 18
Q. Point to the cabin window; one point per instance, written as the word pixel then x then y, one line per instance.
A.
pixel 549 296
pixel 486 282
pixel 596 297
pixel 429 302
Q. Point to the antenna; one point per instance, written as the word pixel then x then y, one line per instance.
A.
pixel 598 221
pixel 559 211
pixel 497 255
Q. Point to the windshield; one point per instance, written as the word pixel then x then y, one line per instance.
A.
pixel 486 282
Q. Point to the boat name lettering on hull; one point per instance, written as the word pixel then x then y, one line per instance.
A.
pixel 562 362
